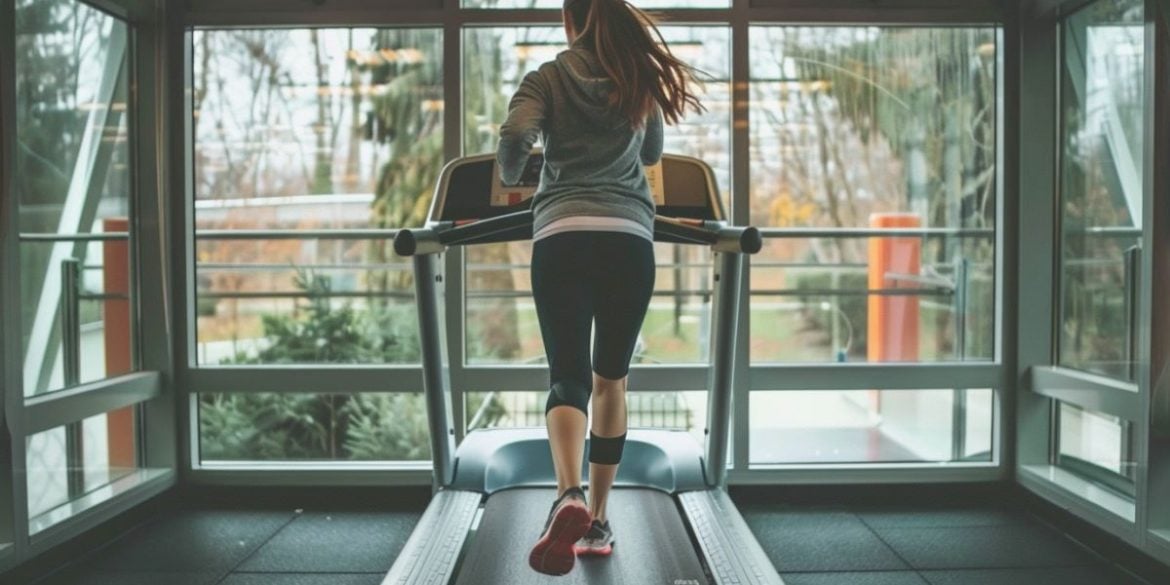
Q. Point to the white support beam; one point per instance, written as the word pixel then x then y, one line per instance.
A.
pixel 55 409
pixel 78 210
pixel 1088 391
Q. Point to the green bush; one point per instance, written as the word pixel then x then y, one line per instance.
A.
pixel 264 426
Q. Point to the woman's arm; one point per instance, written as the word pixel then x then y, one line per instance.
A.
pixel 519 132
pixel 652 143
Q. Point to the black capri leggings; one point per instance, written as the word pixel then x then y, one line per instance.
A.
pixel 589 279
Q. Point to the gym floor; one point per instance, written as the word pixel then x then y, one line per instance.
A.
pixel 944 536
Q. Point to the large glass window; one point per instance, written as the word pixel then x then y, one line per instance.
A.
pixel 1102 143
pixel 299 130
pixel 1097 446
pixel 871 426
pixel 73 149
pixel 78 460
pixel 501 319
pixel 266 427
pixel 857 130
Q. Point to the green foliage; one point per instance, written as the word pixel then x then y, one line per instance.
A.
pixel 261 426
pixel 387 427
pixel 327 333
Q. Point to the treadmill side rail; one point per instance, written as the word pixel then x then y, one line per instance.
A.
pixel 432 551
pixel 732 553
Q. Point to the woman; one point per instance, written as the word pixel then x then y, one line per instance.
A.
pixel 599 108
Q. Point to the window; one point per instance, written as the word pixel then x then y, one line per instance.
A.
pixel 265 427
pixel 501 319
pixel 299 131
pixel 871 426
pixel 1102 82
pixel 1097 446
pixel 78 461
pixel 872 128
pixel 74 192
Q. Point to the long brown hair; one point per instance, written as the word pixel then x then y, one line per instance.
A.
pixel 643 69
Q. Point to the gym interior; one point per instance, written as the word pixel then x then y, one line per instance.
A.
pixel 266 316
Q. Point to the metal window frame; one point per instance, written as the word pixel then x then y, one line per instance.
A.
pixel 1025 348
pixel 739 16
pixel 1154 514
pixel 1142 521
pixel 1027 163
pixel 148 388
pixel 13 503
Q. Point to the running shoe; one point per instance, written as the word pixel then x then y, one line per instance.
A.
pixel 598 541
pixel 567 522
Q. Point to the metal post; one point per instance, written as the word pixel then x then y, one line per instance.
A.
pixel 959 408
pixel 1133 270
pixel 678 295
pixel 725 318
pixel 961 278
pixel 70 321
pixel 71 364
pixel 428 286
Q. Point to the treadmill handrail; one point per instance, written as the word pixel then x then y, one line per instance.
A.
pixel 437 237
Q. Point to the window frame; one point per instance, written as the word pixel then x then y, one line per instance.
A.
pixel 739 16
pixel 145 389
pixel 1023 371
pixel 1138 518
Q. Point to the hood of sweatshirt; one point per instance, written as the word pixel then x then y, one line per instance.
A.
pixel 586 85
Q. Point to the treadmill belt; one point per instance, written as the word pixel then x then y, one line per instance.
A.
pixel 651 545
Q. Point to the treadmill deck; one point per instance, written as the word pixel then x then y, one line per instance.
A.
pixel 651 545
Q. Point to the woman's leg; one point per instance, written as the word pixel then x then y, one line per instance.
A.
pixel 564 307
pixel 566 439
pixel 609 421
pixel 623 284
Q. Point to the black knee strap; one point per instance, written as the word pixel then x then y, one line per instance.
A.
pixel 606 450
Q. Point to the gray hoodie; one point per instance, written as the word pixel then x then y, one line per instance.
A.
pixel 593 156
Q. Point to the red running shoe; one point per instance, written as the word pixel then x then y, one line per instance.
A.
pixel 568 521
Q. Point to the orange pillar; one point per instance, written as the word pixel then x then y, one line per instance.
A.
pixel 892 333
pixel 120 434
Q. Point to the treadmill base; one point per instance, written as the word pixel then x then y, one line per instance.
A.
pixel 652 545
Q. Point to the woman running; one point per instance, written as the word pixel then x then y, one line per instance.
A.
pixel 598 108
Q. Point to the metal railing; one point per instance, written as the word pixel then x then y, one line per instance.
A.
pixel 520 409
pixel 839 233
pixel 55 237
pixel 927 286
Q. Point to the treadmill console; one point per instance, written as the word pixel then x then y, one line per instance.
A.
pixel 470 189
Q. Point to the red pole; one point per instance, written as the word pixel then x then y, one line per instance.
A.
pixel 892 320
pixel 892 333
pixel 120 434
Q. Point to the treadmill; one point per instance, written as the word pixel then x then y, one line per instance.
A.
pixel 673 519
